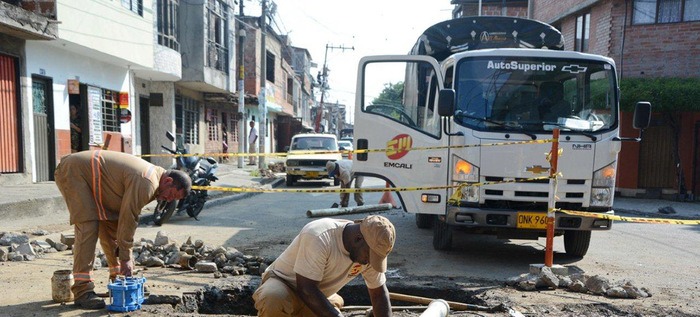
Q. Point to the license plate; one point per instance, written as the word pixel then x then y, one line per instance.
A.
pixel 532 220
pixel 312 174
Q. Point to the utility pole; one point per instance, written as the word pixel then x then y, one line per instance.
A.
pixel 241 89
pixel 323 80
pixel 262 130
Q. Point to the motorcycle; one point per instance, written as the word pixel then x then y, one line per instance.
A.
pixel 201 172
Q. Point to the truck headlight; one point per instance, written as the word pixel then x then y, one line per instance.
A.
pixel 603 186
pixel 463 171
pixel 292 163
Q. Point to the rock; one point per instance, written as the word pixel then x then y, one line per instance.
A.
pixel 633 291
pixel 152 261
pixel 25 249
pixel 15 257
pixel 616 292
pixel 198 244
pixel 97 263
pixel 233 253
pixel 548 277
pixel 51 242
pixel 29 257
pixel 61 246
pixel 39 232
pixel 565 282
pixel 68 239
pixel 262 268
pixel 3 255
pixel 217 274
pixel 578 286
pixel 514 280
pixel 668 210
pixel 206 267
pixel 528 283
pixel 42 244
pixel 597 284
pixel 11 237
pixel 163 299
pixel 161 239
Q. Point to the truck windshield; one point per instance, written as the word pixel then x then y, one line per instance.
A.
pixel 535 94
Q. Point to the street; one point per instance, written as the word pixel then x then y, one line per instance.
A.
pixel 660 258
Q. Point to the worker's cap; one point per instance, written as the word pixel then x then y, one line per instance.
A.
pixel 330 167
pixel 379 233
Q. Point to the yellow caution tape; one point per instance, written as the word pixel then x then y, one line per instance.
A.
pixel 283 154
pixel 630 219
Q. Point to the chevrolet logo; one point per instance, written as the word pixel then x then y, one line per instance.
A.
pixel 537 169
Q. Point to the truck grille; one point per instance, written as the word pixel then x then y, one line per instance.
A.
pixel 321 163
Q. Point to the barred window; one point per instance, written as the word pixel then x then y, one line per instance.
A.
pixel 187 119
pixel 233 132
pixel 168 32
pixel 213 125
pixel 110 111
pixel 135 6
pixel 217 26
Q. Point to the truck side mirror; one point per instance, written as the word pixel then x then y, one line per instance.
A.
pixel 446 102
pixel 642 115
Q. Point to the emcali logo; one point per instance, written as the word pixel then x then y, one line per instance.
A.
pixel 397 147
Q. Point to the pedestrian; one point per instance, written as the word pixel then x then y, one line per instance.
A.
pixel 224 145
pixel 325 256
pixel 75 130
pixel 105 192
pixel 342 170
pixel 252 141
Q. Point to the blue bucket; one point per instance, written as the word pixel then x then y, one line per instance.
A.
pixel 126 294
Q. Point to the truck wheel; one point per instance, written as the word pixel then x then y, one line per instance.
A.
pixel 442 235
pixel 576 242
pixel 290 180
pixel 424 221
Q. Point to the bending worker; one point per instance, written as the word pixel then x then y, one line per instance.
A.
pixel 105 192
pixel 325 256
pixel 342 170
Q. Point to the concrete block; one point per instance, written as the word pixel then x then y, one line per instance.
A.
pixel 556 269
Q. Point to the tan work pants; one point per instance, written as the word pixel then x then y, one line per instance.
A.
pixel 274 298
pixel 86 235
pixel 252 149
pixel 345 197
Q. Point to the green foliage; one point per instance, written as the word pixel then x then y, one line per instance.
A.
pixel 392 94
pixel 665 94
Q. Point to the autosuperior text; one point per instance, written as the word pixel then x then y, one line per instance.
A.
pixel 514 65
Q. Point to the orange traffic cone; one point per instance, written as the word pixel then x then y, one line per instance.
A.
pixel 388 198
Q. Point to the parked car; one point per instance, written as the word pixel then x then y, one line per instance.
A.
pixel 303 163
pixel 345 145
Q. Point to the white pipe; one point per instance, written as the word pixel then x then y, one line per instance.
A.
pixel 346 210
pixel 436 308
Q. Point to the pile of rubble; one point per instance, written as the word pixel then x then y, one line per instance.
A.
pixel 197 255
pixel 17 247
pixel 543 277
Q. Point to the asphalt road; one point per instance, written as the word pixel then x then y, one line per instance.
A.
pixel 662 258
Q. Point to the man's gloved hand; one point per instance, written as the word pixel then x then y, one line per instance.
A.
pixel 126 267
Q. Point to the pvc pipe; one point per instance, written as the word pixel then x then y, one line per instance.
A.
pixel 346 210
pixel 436 308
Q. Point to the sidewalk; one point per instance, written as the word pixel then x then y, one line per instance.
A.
pixel 41 200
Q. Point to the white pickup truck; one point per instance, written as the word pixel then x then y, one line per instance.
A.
pixel 306 158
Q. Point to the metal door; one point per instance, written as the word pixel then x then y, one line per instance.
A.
pixel 10 117
pixel 144 124
pixel 44 140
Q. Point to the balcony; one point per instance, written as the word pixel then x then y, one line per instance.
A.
pixel 29 20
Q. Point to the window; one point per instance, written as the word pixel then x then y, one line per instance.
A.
pixel 135 6
pixel 110 111
pixel 187 119
pixel 167 24
pixel 665 11
pixel 233 132
pixel 270 67
pixel 213 124
pixel 217 25
pixel 583 29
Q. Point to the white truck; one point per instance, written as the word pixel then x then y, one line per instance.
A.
pixel 470 84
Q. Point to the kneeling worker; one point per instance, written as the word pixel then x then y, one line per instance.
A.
pixel 342 170
pixel 322 258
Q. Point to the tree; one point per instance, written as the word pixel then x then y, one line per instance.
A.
pixel 392 94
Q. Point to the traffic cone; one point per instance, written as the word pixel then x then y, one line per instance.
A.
pixel 387 198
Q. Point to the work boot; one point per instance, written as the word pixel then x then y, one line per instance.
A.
pixel 360 204
pixel 90 301
pixel 335 205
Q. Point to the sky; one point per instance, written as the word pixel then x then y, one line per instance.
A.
pixel 377 27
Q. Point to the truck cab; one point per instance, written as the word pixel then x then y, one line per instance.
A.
pixel 471 130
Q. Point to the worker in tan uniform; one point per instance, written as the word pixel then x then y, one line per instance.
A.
pixel 342 169
pixel 326 255
pixel 105 192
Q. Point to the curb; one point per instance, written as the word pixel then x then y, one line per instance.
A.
pixel 219 199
